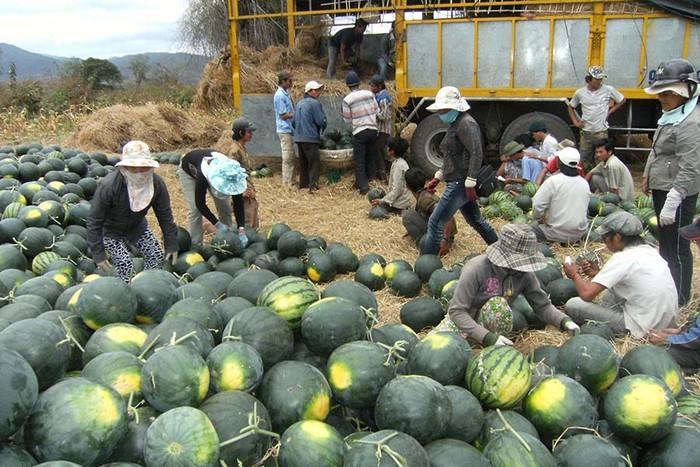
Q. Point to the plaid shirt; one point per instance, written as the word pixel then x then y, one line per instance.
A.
pixel 385 116
pixel 360 108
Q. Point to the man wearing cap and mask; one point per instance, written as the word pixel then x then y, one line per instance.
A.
pixel 488 285
pixel 241 133
pixel 360 108
pixel 205 171
pixel 463 156
pixel 118 215
pixel 560 206
pixel 284 123
pixel 684 342
pixel 311 122
pixel 638 291
pixel 672 172
pixel 598 101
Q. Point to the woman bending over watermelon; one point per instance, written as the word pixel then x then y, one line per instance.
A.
pixel 639 294
pixel 118 214
pixel 488 285
pixel 684 342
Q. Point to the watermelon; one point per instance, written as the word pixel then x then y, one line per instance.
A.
pixel 378 213
pixel 439 278
pixel 231 412
pixel 355 292
pixel 421 312
pixel 499 377
pixel 250 284
pixel 320 268
pixel 392 334
pixel 509 449
pixel 494 423
pixel 357 371
pixel 130 448
pixel 274 233
pixel 179 330
pixel 181 437
pixel 383 448
pixel 106 300
pixel 293 391
pixel 406 284
pixel 416 405
pixel 76 420
pixel 331 322
pixel 114 337
pixel 680 448
pixel 467 415
pixel 291 243
pixel 311 442
pixel 561 290
pixel 590 360
pixel 640 409
pixel 442 356
pixel 174 376
pixel 425 265
pixel 234 366
pixel 530 188
pixel 587 449
pixel 19 388
pixel 344 258
pixel 371 275
pixel 375 193
pixel 558 403
pixel 450 452
pixel 653 361
pixel 155 291
pixel 119 370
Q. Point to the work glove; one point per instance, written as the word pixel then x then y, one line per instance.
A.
pixel 572 328
pixel 221 227
pixel 668 212
pixel 470 189
pixel 503 341
pixel 106 268
pixel 171 257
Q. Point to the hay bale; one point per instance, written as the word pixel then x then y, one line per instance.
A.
pixel 163 127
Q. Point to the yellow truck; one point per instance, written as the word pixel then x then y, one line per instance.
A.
pixel 515 61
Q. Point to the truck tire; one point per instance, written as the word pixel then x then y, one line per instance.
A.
pixel 425 142
pixel 556 126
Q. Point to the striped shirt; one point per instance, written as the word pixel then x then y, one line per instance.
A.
pixel 360 108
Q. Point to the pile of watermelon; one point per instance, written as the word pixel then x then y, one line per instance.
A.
pixel 271 354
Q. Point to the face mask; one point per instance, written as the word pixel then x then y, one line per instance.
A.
pixel 450 116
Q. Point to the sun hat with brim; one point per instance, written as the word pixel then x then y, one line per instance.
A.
pixel 449 98
pixel 512 147
pixel 565 143
pixel 568 156
pixel 137 154
pixel 312 86
pixel 691 231
pixel 679 88
pixel 226 177
pixel 516 249
pixel 621 222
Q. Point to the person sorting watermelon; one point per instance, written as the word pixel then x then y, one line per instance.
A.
pixel 490 283
pixel 638 292
pixel 684 342
pixel 118 215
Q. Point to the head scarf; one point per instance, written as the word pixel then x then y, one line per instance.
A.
pixel 140 188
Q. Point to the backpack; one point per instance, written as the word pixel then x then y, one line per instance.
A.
pixel 486 181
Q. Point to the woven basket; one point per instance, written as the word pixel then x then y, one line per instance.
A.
pixel 338 158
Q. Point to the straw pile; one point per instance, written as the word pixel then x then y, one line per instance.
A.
pixel 164 126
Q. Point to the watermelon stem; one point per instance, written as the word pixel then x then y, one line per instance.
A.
pixel 381 446
pixel 253 428
pixel 393 351
pixel 174 341
pixel 515 433
pixel 142 355
pixel 69 335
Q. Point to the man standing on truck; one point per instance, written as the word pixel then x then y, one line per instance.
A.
pixel 598 101
pixel 343 43
pixel 284 121
pixel 462 158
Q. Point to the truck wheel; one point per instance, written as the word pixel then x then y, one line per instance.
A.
pixel 556 126
pixel 425 142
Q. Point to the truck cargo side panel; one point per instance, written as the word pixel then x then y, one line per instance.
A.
pixel 458 54
pixel 570 52
pixel 422 55
pixel 494 50
pixel 531 54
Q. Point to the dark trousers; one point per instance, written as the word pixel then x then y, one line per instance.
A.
pixel 688 359
pixel 308 165
pixel 364 150
pixel 673 248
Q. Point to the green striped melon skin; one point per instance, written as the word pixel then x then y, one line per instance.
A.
pixel 43 260
pixel 76 420
pixel 689 406
pixel 499 377
pixel 311 442
pixel 289 297
pixel 522 450
pixel 182 437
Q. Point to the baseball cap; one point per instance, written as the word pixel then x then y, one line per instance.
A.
pixel 569 156
pixel 312 86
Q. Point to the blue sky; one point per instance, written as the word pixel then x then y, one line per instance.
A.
pixel 92 28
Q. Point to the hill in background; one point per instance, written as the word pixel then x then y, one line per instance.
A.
pixel 29 65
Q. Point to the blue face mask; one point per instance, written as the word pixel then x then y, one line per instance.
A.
pixel 450 116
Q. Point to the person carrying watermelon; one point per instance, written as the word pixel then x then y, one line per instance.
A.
pixel 639 294
pixel 118 215
pixel 683 342
pixel 490 283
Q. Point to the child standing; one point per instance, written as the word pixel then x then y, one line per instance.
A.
pixel 399 197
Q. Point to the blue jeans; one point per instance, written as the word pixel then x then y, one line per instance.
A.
pixel 332 58
pixel 454 198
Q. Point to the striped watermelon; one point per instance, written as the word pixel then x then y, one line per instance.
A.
pixel 689 406
pixel 43 260
pixel 289 297
pixel 499 377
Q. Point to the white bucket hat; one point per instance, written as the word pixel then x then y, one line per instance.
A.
pixel 136 154
pixel 449 98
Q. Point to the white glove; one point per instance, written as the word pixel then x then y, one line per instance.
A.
pixel 470 182
pixel 668 212
pixel 503 341
pixel 572 328
pixel 171 257
pixel 439 176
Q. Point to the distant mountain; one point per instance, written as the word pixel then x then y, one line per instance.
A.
pixel 29 65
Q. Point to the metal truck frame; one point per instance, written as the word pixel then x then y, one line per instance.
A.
pixel 515 61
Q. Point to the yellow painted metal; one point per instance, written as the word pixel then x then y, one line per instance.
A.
pixel 235 55
pixel 291 23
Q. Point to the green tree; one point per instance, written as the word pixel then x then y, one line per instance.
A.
pixel 97 73
pixel 13 75
pixel 139 66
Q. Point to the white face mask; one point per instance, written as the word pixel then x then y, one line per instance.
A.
pixel 140 188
